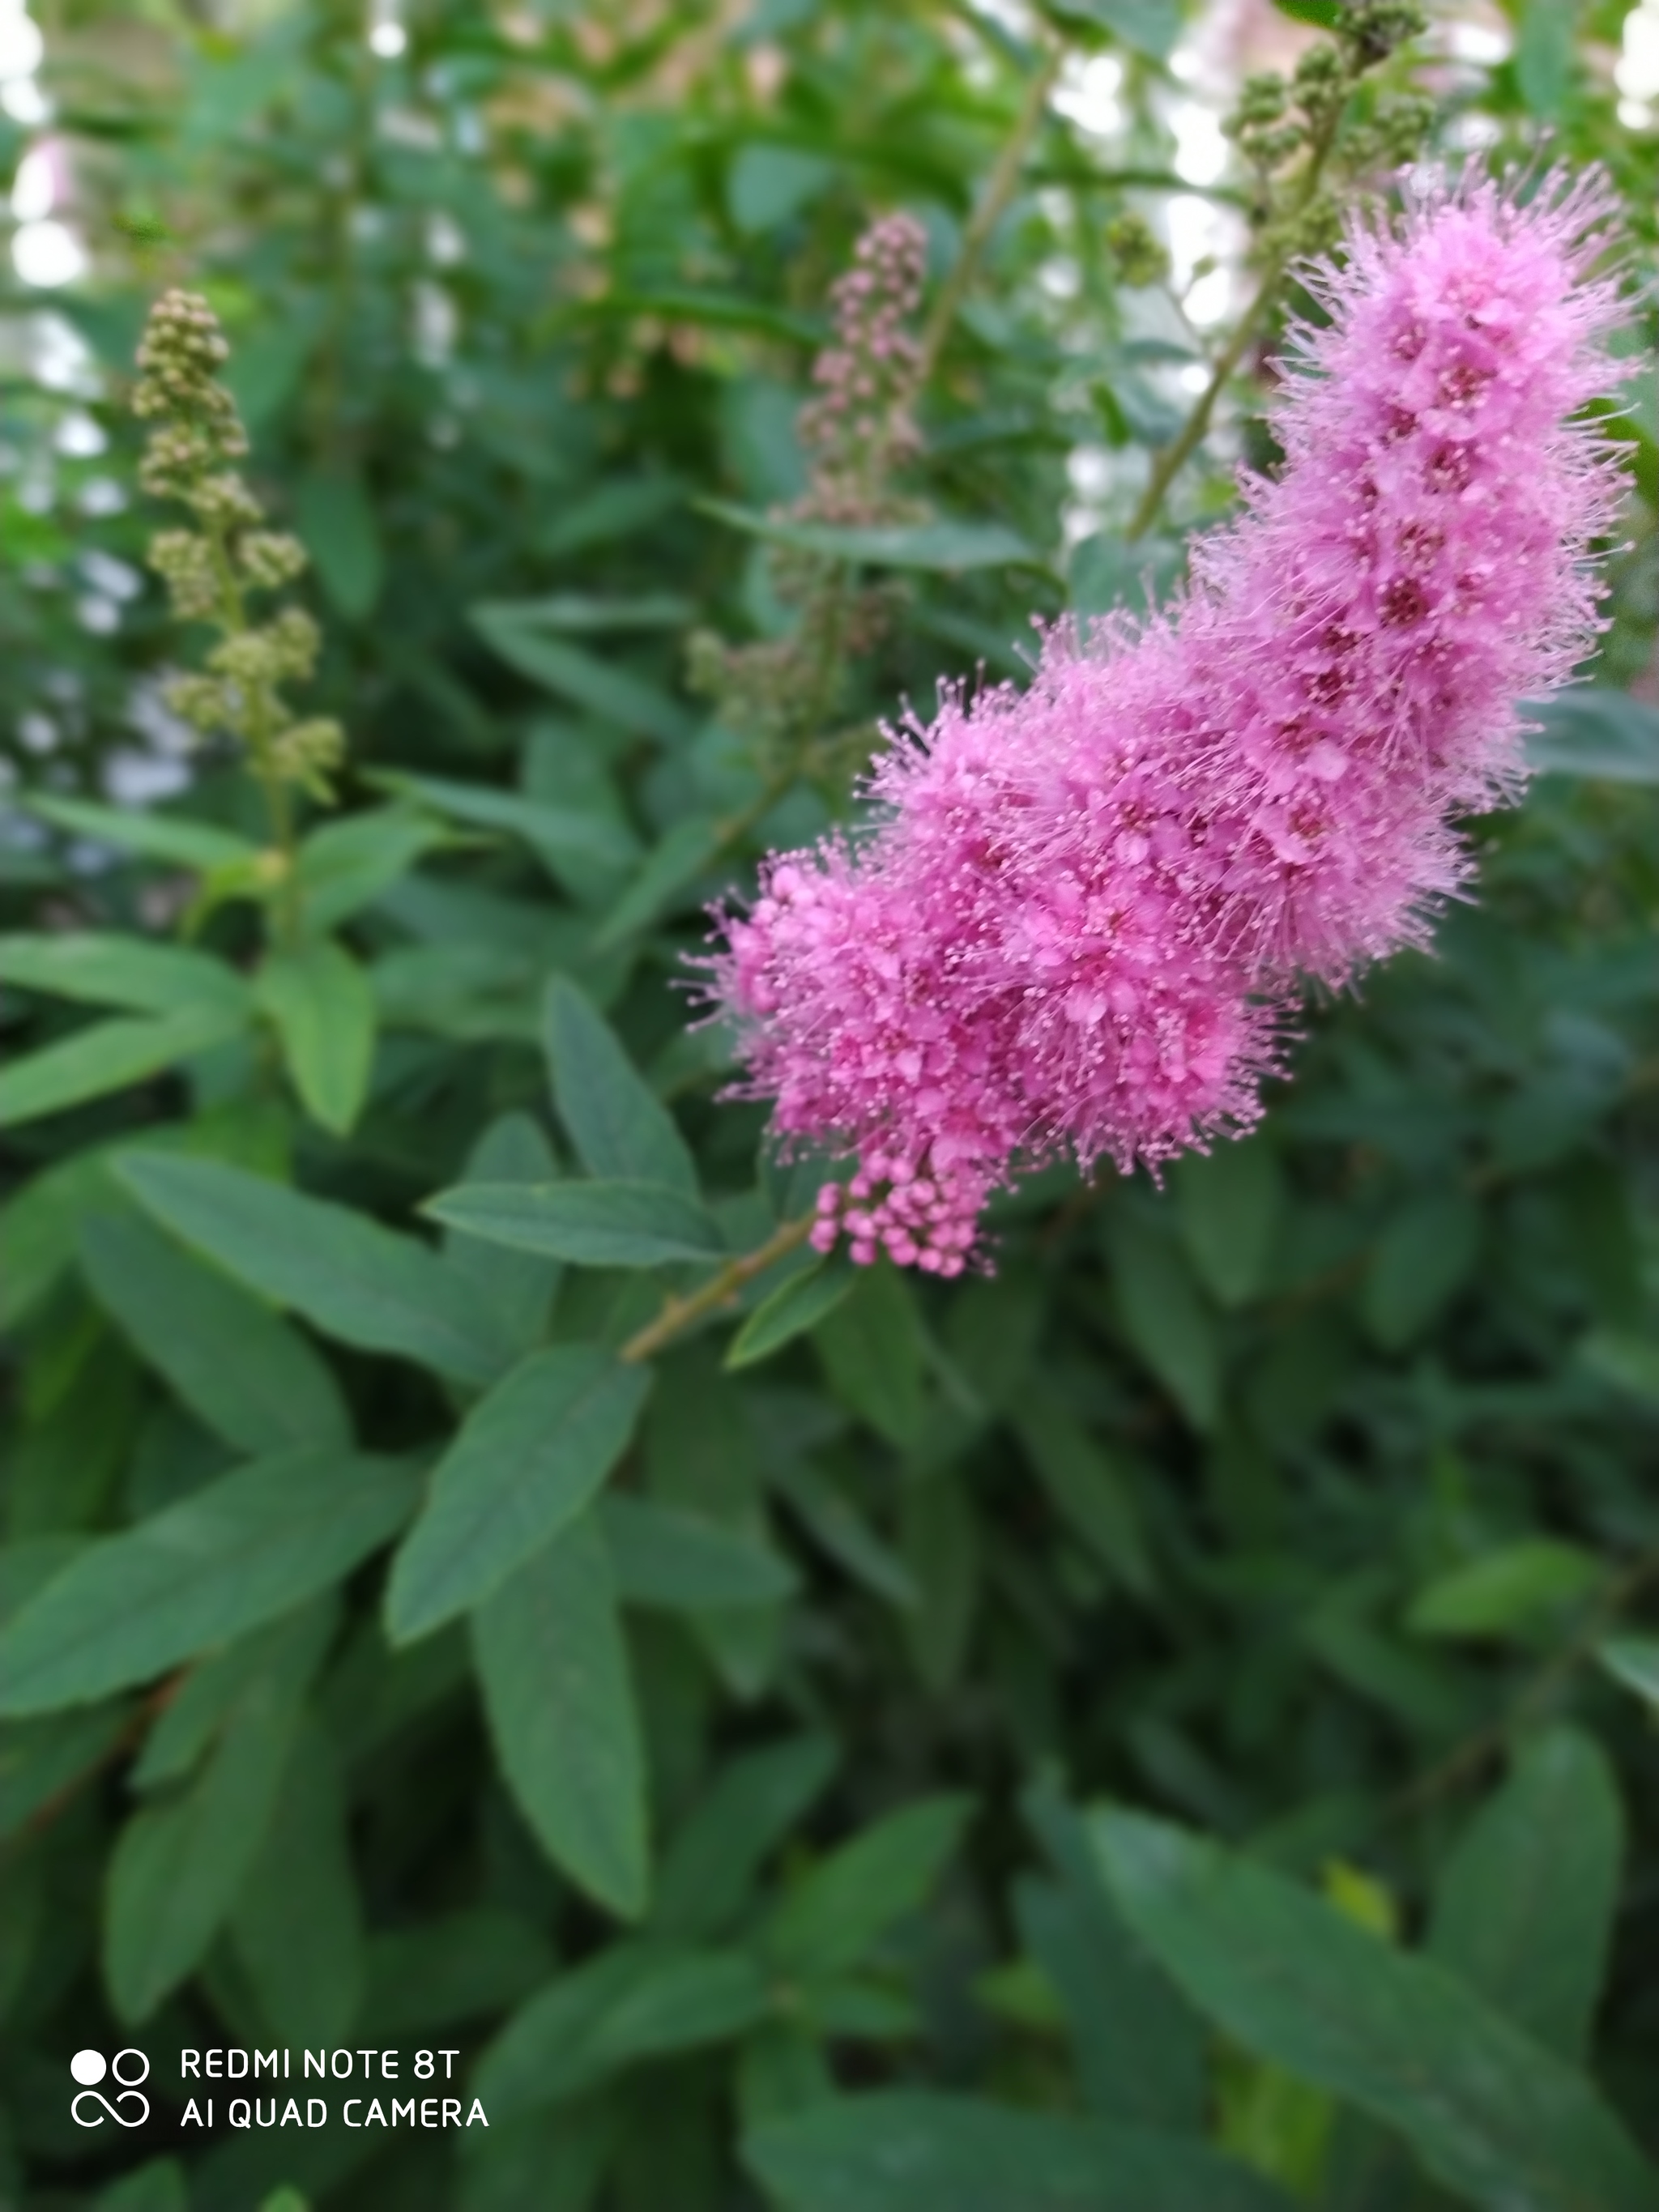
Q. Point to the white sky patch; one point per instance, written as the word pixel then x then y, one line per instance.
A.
pixel 1485 44
pixel 1087 94
pixel 1637 73
pixel 1198 232
pixel 21 43
pixel 35 190
pixel 1200 146
pixel 47 254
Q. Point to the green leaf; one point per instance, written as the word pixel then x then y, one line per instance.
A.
pixel 636 2000
pixel 677 860
pixel 342 1272
pixel 1523 1908
pixel 620 1129
pixel 519 1286
pixel 682 1561
pixel 40 1759
pixel 1087 1491
pixel 173 837
pixel 939 1543
pixel 177 1867
pixel 1106 572
pixel 1164 1316
pixel 1324 15
pixel 108 1056
pixel 1497 2118
pixel 554 1668
pixel 335 519
pixel 1229 1201
pixel 871 1345
pixel 1139 2046
pixel 900 2150
pixel 1544 57
pixel 1623 1358
pixel 252 1379
pixel 581 611
pixel 840 1529
pixel 613 510
pixel 829 1918
pixel 1504 1591
pixel 527 1459
pixel 798 1305
pixel 947 546
pixel 120 971
pixel 158 2186
pixel 591 1224
pixel 555 834
pixel 607 692
pixel 1149 27
pixel 233 1555
pixel 1423 1258
pixel 297 1925
pixel 459 1966
pixel 324 1010
pixel 1592 730
pixel 753 1804
pixel 184 1728
pixel 1633 1661
pixel 344 866
pixel 765 185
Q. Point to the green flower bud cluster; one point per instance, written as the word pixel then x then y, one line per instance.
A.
pixel 210 567
pixel 1139 255
pixel 1290 133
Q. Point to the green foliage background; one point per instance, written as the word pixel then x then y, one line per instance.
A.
pixel 1169 1725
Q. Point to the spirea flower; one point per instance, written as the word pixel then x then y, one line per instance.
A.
pixel 1080 920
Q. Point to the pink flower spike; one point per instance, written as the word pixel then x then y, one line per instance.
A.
pixel 1080 919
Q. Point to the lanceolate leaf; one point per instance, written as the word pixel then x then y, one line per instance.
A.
pixel 1633 1661
pixel 249 1376
pixel 556 833
pixel 297 1926
pixel 795 1306
pixel 554 1667
pixel 620 1129
pixel 109 1056
pixel 591 1224
pixel 344 1273
pixel 951 546
pixel 634 2000
pixel 872 1347
pixel 519 1285
pixel 680 858
pixel 1489 2112
pixel 349 861
pixel 118 971
pixel 324 1009
pixel 1087 1490
pixel 178 1864
pixel 905 2151
pixel 1164 1316
pixel 833 1914
pixel 172 838
pixel 750 1808
pixel 528 1458
pixel 1524 1906
pixel 1139 2046
pixel 236 1554
pixel 663 1557
pixel 607 691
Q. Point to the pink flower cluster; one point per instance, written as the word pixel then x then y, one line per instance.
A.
pixel 1080 921
pixel 859 427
